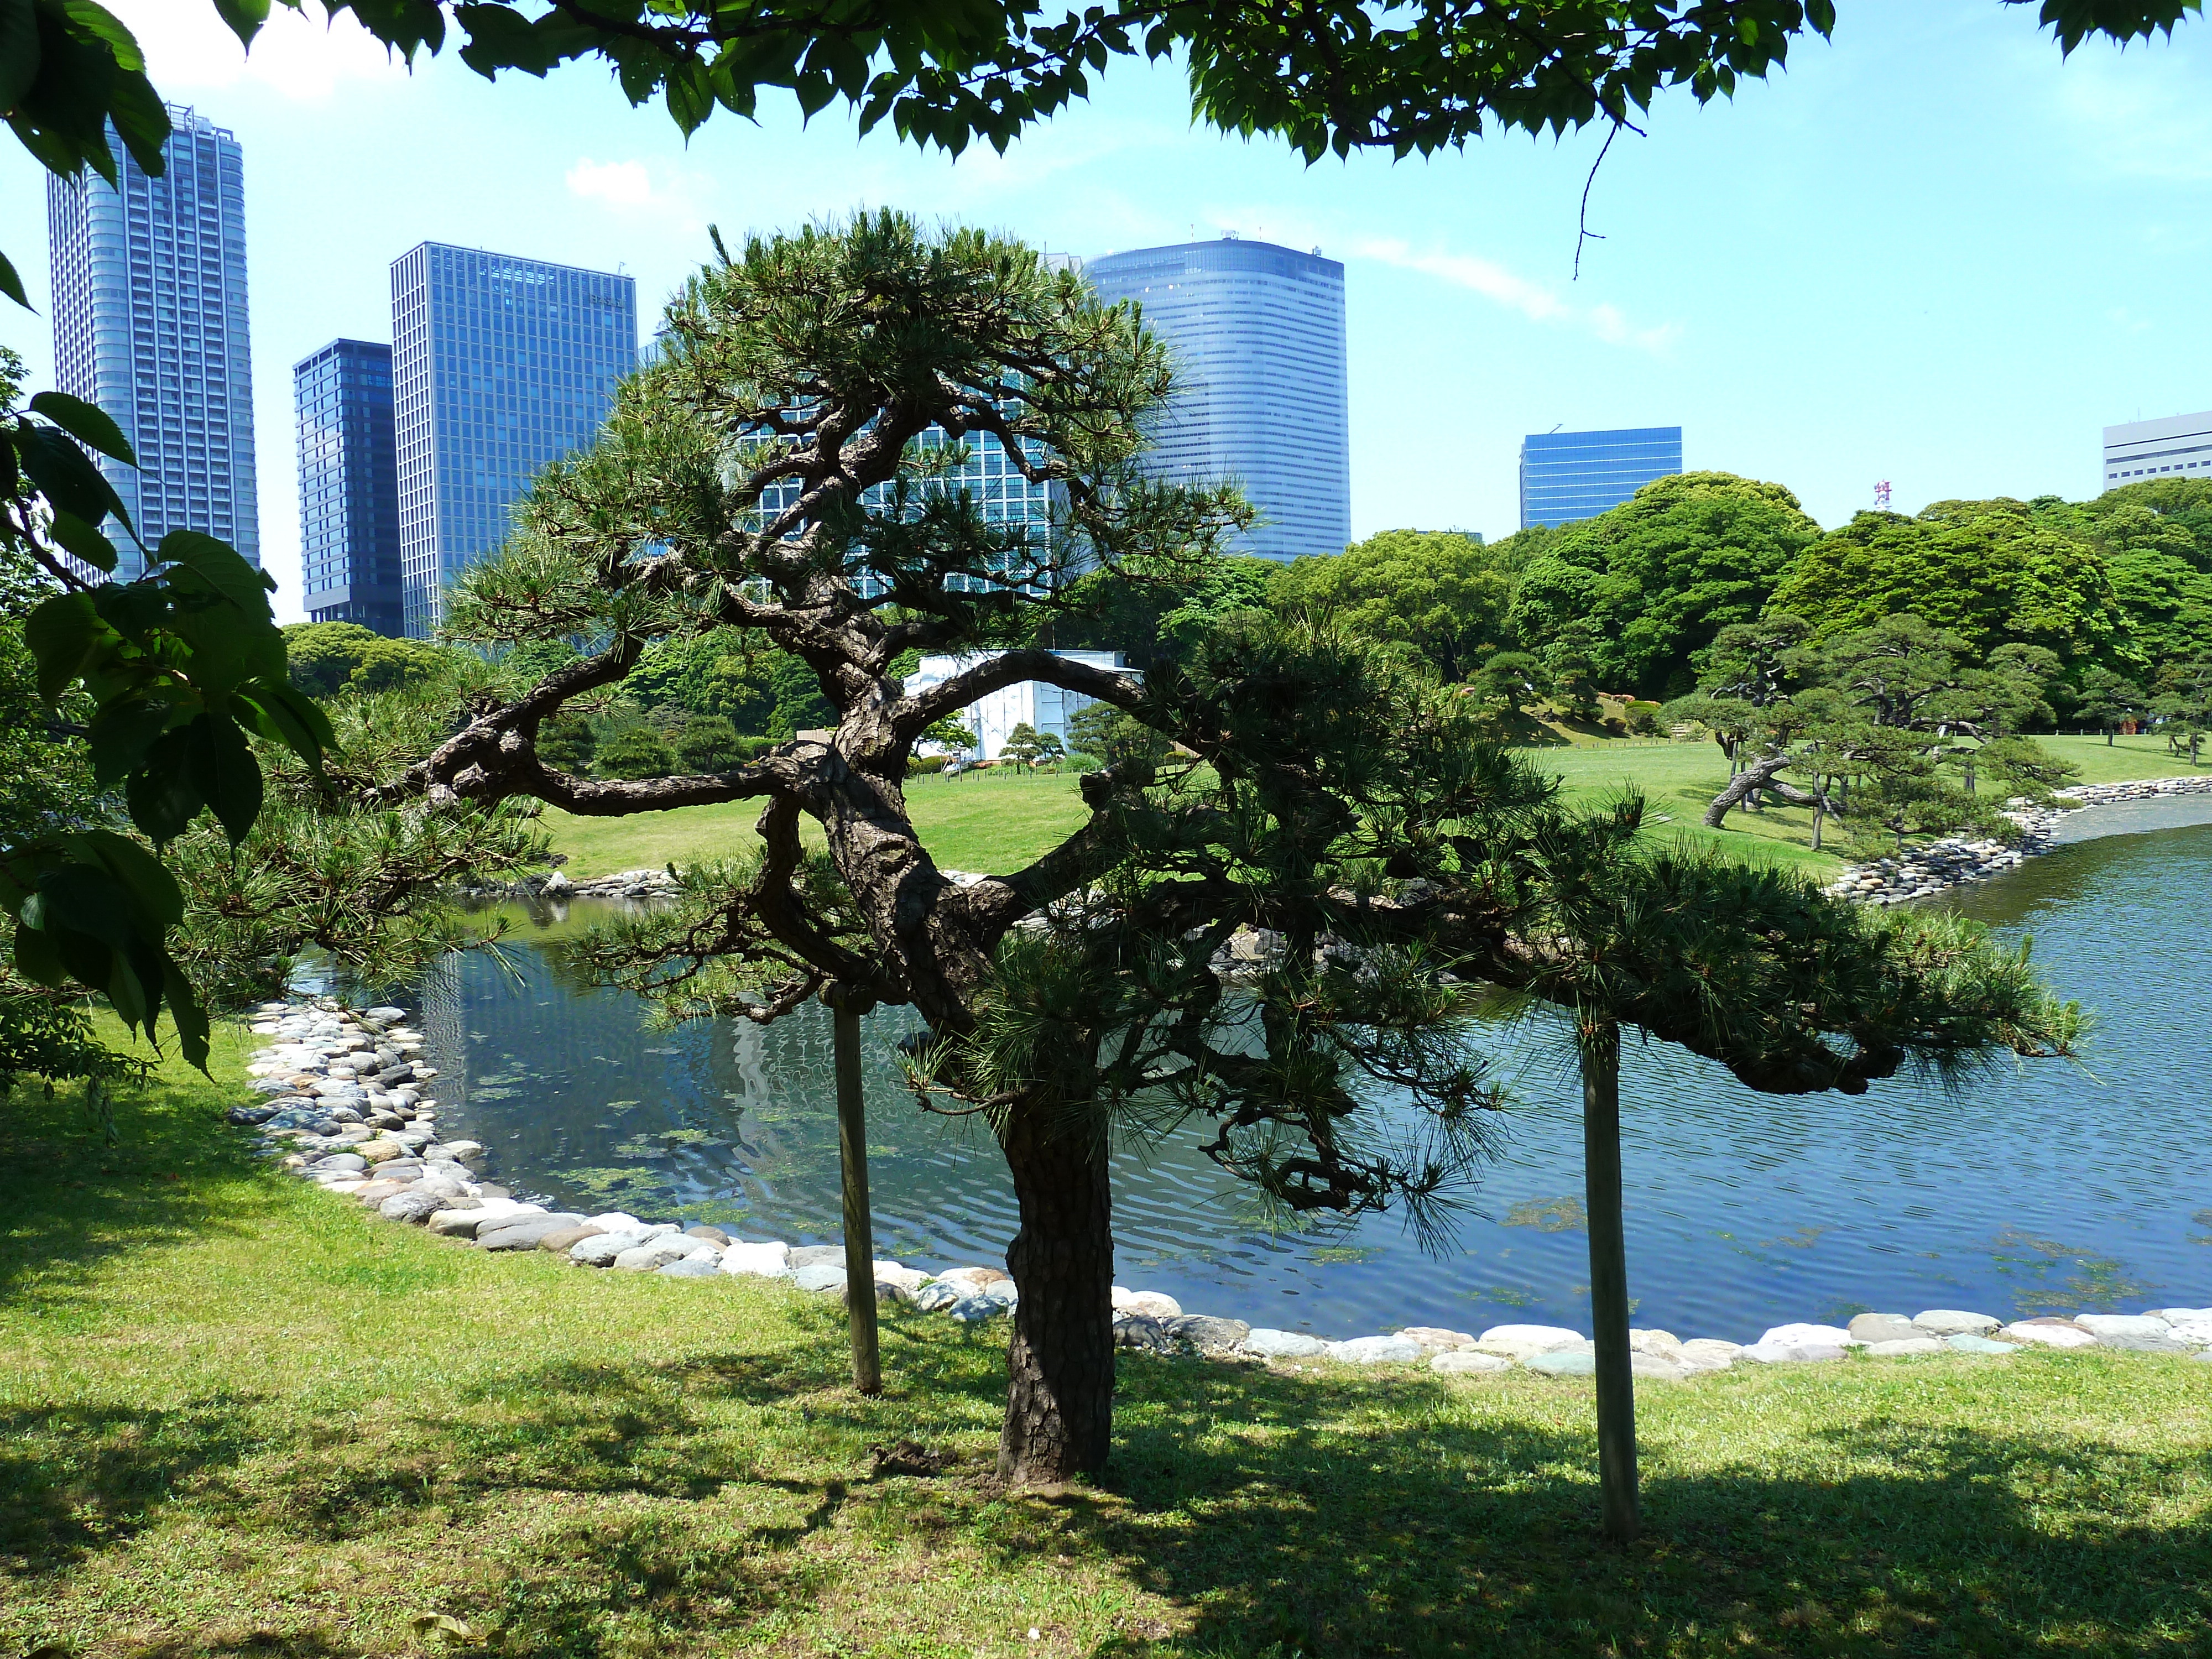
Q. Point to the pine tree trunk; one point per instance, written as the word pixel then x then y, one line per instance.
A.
pixel 1059 1367
pixel 1608 1251
pixel 853 1159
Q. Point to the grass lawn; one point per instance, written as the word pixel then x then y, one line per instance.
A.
pixel 239 1417
pixel 999 821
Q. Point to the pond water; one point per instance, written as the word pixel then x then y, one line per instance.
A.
pixel 2038 1189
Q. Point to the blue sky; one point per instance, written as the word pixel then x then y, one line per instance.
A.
pixel 1932 252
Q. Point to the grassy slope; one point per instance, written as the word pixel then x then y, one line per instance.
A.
pixel 994 821
pixel 238 1416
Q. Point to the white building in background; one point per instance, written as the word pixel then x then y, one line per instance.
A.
pixel 2146 449
pixel 1043 708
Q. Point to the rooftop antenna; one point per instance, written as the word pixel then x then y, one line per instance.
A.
pixel 1882 497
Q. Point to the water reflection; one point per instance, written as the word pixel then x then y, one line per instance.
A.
pixel 2036 1188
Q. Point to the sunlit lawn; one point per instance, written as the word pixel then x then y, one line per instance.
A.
pixel 999 820
pixel 239 1417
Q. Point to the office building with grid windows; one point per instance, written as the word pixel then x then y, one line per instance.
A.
pixel 1262 394
pixel 499 366
pixel 2152 449
pixel 150 323
pixel 348 486
pixel 1566 475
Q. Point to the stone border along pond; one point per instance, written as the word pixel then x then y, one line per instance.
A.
pixel 1955 861
pixel 342 1099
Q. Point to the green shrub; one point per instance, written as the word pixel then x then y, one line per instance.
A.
pixel 708 743
pixel 918 766
pixel 635 752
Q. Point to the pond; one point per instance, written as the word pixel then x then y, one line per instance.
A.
pixel 2038 1188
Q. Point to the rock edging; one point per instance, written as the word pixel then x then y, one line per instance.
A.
pixel 341 1098
pixel 1955 861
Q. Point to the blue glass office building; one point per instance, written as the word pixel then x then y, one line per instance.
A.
pixel 1257 331
pixel 499 366
pixel 348 486
pixel 1566 475
pixel 150 323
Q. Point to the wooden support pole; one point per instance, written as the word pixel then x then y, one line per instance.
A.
pixel 853 1156
pixel 1609 1250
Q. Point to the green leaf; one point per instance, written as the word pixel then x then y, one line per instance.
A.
pixel 119 735
pixel 186 1013
pixel 66 476
pixel 63 633
pixel 19 51
pixel 87 424
pixel 222 567
pixel 163 796
pixel 82 541
pixel 244 17
pixel 291 717
pixel 139 873
pixel 38 959
pixel 226 772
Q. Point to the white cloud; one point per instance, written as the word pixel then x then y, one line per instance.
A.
pixel 1531 299
pixel 300 54
pixel 615 183
pixel 671 197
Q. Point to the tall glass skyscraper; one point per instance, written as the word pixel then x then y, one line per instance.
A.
pixel 1258 335
pixel 150 323
pixel 348 486
pixel 1566 475
pixel 499 366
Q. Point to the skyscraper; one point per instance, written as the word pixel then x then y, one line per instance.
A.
pixel 1566 475
pixel 499 366
pixel 348 486
pixel 2149 449
pixel 1258 335
pixel 150 323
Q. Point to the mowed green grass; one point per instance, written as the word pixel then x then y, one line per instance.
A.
pixel 999 821
pixel 239 1417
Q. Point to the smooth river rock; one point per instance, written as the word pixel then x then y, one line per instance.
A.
pixel 1435 1338
pixel 1899 1347
pixel 1152 1304
pixel 1665 1344
pixel 2131 1342
pixel 818 1275
pixel 1970 1342
pixel 815 1255
pixel 1563 1361
pixel 1872 1328
pixel 1711 1354
pixel 1376 1351
pixel 769 1261
pixel 1792 1353
pixel 691 1266
pixel 1206 1334
pixel 1523 1341
pixel 1284 1345
pixel 411 1206
pixel 524 1233
pixel 2049 1333
pixel 1953 1322
pixel 2103 1326
pixel 654 1253
pixel 562 1240
pixel 1801 1334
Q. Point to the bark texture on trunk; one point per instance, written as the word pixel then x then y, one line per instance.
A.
pixel 1059 1367
pixel 853 1156
pixel 1608 1253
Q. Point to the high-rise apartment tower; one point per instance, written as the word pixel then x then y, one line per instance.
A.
pixel 1261 397
pixel 348 486
pixel 1566 475
pixel 499 366
pixel 150 323
pixel 2159 448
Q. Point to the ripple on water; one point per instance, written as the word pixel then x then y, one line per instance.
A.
pixel 2029 1189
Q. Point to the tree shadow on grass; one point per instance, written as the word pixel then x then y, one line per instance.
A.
pixel 77 1479
pixel 76 1201
pixel 1325 1536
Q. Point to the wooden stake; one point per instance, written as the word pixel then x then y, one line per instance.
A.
pixel 853 1156
pixel 1609 1250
